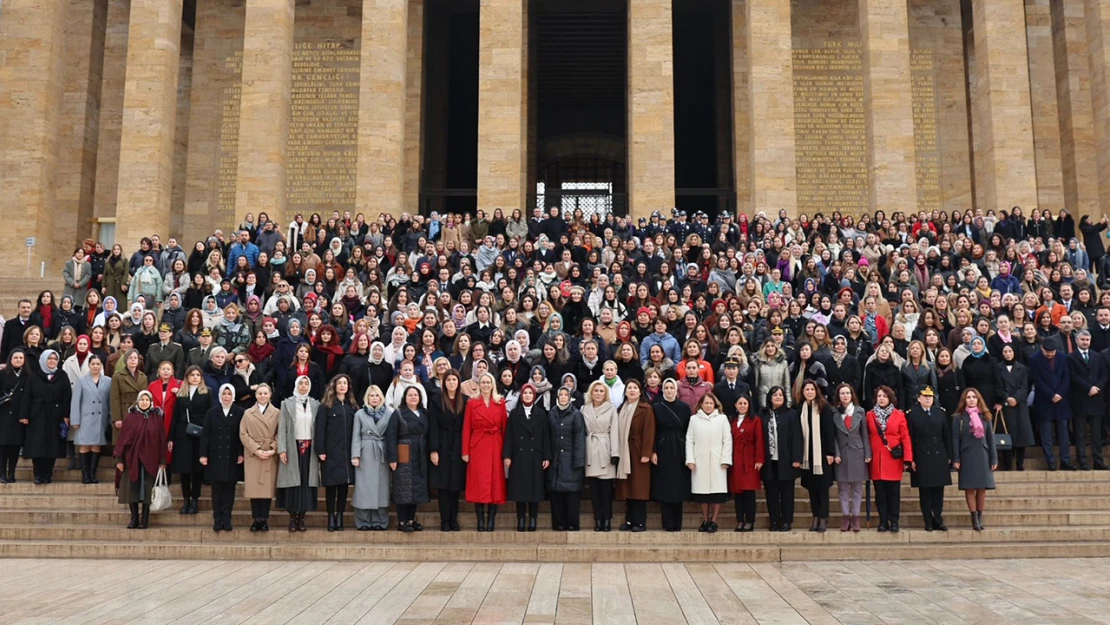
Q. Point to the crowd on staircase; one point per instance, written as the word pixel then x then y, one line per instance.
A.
pixel 670 359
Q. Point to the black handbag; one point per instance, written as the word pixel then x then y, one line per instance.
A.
pixel 1002 440
pixel 897 452
pixel 194 430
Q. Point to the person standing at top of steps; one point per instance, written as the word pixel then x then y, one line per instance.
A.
pixel 140 454
pixel 931 434
pixel 483 438
pixel 258 433
pixel 973 452
pixel 221 454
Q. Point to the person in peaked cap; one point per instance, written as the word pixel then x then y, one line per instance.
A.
pixel 731 387
pixel 1048 369
pixel 931 438
pixel 165 350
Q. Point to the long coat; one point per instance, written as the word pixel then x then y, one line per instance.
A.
pixel 372 473
pixel 670 477
pixel 186 449
pixel 879 373
pixel 884 466
pixel 258 432
pixel 410 480
pixel 950 387
pixel 914 380
pixel 567 473
pixel 1015 383
pixel 1084 375
pixel 852 445
pixel 289 473
pixel 747 451
pixel 789 442
pixel 931 433
pixel 602 443
pixel 46 404
pixel 221 445
pixel 125 390
pixel 708 447
pixel 483 437
pixel 982 373
pixel 90 409
pixel 527 446
pixel 639 444
pixel 11 430
pixel 810 477
pixel 116 276
pixel 1050 378
pixel 975 456
pixel 334 430
pixel 445 438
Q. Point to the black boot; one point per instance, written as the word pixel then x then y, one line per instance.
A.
pixel 144 522
pixel 82 463
pixel 975 522
pixel 339 521
pixel 94 464
pixel 532 521
pixel 134 516
pixel 331 521
pixel 480 510
pixel 979 516
pixel 521 523
pixel 491 516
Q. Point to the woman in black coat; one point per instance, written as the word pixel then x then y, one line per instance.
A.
pixel 880 372
pixel 1013 391
pixel 815 418
pixel 567 473
pixel 194 400
pixel 221 455
pixel 783 459
pixel 354 365
pixel 13 384
pixel 981 372
pixel 448 471
pixel 670 477
pixel 931 441
pixel 842 367
pixel 380 371
pixel 950 382
pixel 335 422
pixel 406 448
pixel 527 454
pixel 45 408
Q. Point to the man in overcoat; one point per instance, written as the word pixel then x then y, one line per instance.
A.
pixel 1051 404
pixel 1089 377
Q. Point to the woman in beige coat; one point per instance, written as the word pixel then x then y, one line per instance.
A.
pixel 603 450
pixel 258 431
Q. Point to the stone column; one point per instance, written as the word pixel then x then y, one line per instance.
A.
pixel 1098 42
pixel 1073 92
pixel 111 108
pixel 32 38
pixel 1006 156
pixel 503 105
pixel 382 100
pixel 414 107
pixel 885 35
pixel 650 107
pixel 770 107
pixel 264 109
pixel 149 119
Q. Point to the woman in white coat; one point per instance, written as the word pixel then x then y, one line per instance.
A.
pixel 603 450
pixel 372 475
pixel 611 377
pixel 709 455
pixel 89 415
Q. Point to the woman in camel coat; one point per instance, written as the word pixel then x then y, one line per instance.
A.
pixel 636 421
pixel 258 431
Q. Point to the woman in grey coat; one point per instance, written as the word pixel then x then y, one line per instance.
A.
pixel 852 453
pixel 297 480
pixel 973 452
pixel 371 498
pixel 89 415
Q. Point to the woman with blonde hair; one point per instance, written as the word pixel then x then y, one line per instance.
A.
pixel 603 448
pixel 483 438
pixel 371 497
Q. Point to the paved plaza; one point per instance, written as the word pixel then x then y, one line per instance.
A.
pixel 148 592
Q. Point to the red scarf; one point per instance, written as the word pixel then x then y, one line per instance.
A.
pixel 259 353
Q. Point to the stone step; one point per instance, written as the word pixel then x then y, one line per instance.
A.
pixel 955 516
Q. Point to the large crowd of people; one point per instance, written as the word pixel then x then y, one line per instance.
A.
pixel 529 359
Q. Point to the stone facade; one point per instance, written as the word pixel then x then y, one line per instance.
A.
pixel 116 111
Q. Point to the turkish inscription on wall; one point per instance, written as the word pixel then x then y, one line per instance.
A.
pixel 323 128
pixel 926 146
pixel 830 128
pixel 229 140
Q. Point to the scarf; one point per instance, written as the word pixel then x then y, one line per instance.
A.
pixel 257 353
pixel 245 373
pixel 976 422
pixel 375 413
pixel 542 386
pixel 811 431
pixel 881 415
pixel 42 362
pixel 839 358
pixel 297 393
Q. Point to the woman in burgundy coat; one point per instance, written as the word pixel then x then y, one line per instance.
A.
pixel 747 460
pixel 889 432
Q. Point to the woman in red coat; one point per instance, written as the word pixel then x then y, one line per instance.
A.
pixel 164 390
pixel 890 450
pixel 483 437
pixel 747 460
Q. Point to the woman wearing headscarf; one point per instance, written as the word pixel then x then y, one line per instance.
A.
pixel 1013 392
pixel 140 453
pixel 45 406
pixel 973 452
pixel 483 438
pixel 447 475
pixel 194 400
pixel 332 443
pixel 221 455
pixel 395 350
pixel 527 453
pixel 13 385
pixel 670 477
pixel 636 421
pixel 407 453
pixel 603 448
pixel 89 416
pixel 299 471
pixel 372 475
pixel 380 371
pixel 982 372
pixel 284 352
pixel 258 433
pixel 566 474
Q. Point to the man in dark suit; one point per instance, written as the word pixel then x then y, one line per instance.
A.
pixel 1088 401
pixel 14 329
pixel 1100 330
pixel 784 448
pixel 1048 369
pixel 731 387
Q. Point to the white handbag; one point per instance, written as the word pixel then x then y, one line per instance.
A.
pixel 160 497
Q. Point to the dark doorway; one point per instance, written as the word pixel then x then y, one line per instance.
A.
pixel 703 107
pixel 580 59
pixel 449 175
